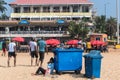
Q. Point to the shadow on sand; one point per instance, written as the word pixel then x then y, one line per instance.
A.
pixel 73 74
pixel 26 65
pixel 3 66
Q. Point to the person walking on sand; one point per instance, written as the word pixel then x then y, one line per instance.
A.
pixel 42 47
pixel 12 52
pixel 33 51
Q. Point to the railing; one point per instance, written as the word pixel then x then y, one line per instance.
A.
pixel 61 14
pixel 33 33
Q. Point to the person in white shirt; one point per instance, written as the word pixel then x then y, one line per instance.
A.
pixel 33 51
pixel 11 52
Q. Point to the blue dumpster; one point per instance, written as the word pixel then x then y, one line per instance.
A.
pixel 68 60
pixel 93 64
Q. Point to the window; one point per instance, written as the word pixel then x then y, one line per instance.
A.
pixel 46 9
pixel 76 8
pixel 66 9
pixel 37 19
pixel 85 9
pixel 56 9
pixel 97 38
pixel 17 10
pixel 45 19
pixel 36 9
pixel 105 39
pixel 26 9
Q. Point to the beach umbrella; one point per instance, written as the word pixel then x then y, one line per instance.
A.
pixel 72 42
pixel 52 42
pixel 18 39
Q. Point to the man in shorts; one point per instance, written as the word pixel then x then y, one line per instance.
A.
pixel 11 52
pixel 42 48
pixel 33 51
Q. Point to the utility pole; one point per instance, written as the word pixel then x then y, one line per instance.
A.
pixel 117 15
pixel 105 9
pixel 106 6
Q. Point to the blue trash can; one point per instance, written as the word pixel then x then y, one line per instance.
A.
pixel 93 64
pixel 68 60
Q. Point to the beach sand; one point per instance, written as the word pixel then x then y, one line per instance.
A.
pixel 110 68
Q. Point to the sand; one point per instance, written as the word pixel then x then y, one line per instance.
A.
pixel 110 68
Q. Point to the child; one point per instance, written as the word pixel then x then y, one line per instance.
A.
pixel 49 70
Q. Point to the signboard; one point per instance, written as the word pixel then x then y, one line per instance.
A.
pixel 60 21
pixel 23 22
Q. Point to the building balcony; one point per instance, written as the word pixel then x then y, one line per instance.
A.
pixel 59 15
pixel 34 34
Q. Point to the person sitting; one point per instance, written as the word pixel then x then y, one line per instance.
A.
pixel 49 70
pixel 88 46
pixel 105 49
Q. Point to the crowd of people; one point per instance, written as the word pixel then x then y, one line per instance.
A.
pixel 38 48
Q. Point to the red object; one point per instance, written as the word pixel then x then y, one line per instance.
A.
pixel 48 2
pixel 97 42
pixel 52 42
pixel 18 39
pixel 72 42
pixel 4 50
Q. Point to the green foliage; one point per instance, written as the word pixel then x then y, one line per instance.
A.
pixel 100 23
pixel 111 27
pixel 77 30
pixel 4 17
pixel 107 26
pixel 71 29
pixel 2 7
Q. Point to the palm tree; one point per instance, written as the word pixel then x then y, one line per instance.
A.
pixel 2 7
pixel 84 30
pixel 111 27
pixel 78 30
pixel 4 17
pixel 100 23
pixel 71 29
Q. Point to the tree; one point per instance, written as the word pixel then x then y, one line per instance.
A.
pixel 71 29
pixel 2 7
pixel 78 30
pixel 4 17
pixel 111 27
pixel 100 23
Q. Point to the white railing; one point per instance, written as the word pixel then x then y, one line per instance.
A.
pixel 61 14
pixel 34 34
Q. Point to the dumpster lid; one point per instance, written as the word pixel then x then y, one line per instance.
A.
pixel 64 49
pixel 93 54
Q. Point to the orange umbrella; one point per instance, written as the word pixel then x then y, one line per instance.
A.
pixel 52 42
pixel 72 42
pixel 18 39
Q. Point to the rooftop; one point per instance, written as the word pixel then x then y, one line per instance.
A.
pixel 46 2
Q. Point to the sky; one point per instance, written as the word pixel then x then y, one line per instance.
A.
pixel 103 7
